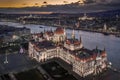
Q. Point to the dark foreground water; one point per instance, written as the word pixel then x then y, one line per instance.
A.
pixel 90 40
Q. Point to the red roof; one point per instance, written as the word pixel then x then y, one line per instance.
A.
pixel 103 54
pixel 36 48
pixel 49 33
pixel 59 30
pixel 38 34
pixel 75 42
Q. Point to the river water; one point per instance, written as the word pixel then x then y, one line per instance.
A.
pixel 90 40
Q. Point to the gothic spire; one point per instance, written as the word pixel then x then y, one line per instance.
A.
pixel 66 37
pixel 51 29
pixel 59 23
pixel 104 49
pixel 80 37
pixel 73 34
pixel 64 31
pixel 96 47
pixel 44 30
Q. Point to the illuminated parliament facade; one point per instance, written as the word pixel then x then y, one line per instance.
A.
pixel 55 44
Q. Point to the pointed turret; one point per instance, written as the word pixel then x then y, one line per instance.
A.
pixel 104 49
pixel 64 31
pixel 103 53
pixel 96 47
pixel 85 15
pixel 65 37
pixel 73 34
pixel 44 30
pixel 65 34
pixel 51 29
pixel 59 23
pixel 80 40
pixel 105 27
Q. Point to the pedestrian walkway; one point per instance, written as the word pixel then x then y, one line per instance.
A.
pixel 16 63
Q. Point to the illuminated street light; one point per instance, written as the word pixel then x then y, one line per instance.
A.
pixel 6 60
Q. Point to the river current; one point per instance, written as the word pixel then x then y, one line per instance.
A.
pixel 89 39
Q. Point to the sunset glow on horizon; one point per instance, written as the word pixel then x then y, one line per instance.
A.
pixel 38 3
pixel 30 3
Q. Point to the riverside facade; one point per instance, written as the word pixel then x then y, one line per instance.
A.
pixel 55 44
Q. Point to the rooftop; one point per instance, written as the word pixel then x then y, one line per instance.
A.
pixel 49 33
pixel 86 54
pixel 44 45
pixel 38 34
pixel 59 30
pixel 73 41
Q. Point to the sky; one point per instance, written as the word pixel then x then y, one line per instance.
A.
pixel 26 3
pixel 23 3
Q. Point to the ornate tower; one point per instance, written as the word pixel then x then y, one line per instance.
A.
pixel 73 34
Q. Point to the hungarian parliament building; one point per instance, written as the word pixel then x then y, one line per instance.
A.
pixel 55 44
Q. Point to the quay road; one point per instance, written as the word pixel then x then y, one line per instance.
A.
pixel 100 31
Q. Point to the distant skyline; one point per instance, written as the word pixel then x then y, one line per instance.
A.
pixel 30 3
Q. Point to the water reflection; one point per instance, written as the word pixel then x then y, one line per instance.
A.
pixel 89 39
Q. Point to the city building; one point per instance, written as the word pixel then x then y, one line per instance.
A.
pixel 10 33
pixel 85 17
pixel 55 44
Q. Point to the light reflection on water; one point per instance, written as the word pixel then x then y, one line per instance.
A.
pixel 89 39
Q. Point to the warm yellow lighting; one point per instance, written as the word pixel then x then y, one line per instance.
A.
pixel 30 3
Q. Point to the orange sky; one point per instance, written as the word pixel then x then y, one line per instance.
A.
pixel 24 3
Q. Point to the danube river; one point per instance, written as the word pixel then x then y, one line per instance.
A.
pixel 90 40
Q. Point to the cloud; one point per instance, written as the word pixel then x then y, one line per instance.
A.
pixel 116 1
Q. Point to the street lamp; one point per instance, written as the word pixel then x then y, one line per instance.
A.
pixel 6 60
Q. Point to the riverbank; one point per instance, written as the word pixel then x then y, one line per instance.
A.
pixel 116 34
pixel 89 39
